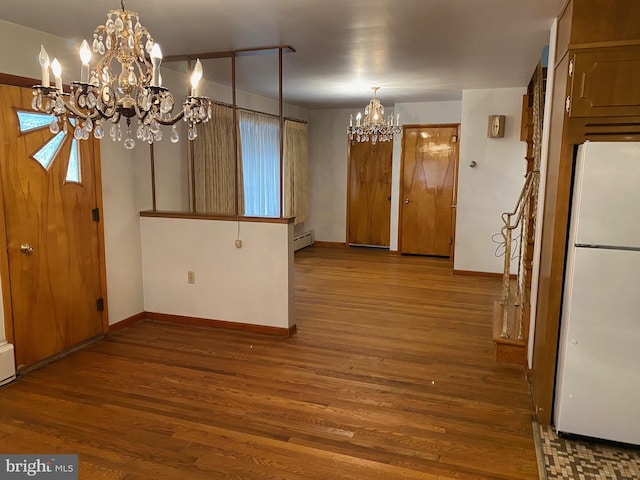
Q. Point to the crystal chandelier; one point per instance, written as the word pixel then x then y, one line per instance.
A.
pixel 374 127
pixel 125 83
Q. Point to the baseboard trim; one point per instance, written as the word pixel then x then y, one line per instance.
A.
pixel 127 322
pixel 471 273
pixel 330 244
pixel 205 322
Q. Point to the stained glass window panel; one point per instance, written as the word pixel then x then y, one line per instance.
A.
pixel 47 153
pixel 33 121
pixel 73 168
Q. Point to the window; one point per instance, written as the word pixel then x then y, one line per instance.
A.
pixel 253 186
pixel 260 142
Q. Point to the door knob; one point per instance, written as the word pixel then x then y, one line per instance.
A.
pixel 406 200
pixel 26 248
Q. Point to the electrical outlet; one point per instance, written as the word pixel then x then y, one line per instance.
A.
pixel 191 276
pixel 238 243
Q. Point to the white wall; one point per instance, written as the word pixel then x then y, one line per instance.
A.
pixel 252 284
pixel 493 186
pixel 121 232
pixel 425 113
pixel 328 174
pixel 21 47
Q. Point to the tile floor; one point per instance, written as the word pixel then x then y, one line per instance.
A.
pixel 577 459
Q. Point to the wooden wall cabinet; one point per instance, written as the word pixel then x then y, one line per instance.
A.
pixel 605 82
pixel 596 97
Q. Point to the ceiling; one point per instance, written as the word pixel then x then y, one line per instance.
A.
pixel 416 50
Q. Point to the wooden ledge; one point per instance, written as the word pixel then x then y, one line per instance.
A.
pixel 210 216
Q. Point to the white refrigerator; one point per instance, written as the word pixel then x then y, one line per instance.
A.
pixel 598 375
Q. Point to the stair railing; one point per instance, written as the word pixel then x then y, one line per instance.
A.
pixel 513 220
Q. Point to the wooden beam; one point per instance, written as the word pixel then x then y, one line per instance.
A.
pixel 229 53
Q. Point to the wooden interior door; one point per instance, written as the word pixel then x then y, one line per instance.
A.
pixel 427 208
pixel 369 205
pixel 48 206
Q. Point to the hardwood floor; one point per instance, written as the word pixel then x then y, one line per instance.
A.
pixel 391 375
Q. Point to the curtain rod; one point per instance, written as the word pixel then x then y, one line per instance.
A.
pixel 224 104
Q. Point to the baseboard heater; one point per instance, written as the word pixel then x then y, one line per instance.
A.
pixel 303 240
pixel 7 364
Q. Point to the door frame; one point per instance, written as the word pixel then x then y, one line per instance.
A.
pixel 348 216
pixel 454 195
pixel 17 81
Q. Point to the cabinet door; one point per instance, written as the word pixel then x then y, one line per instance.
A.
pixel 605 82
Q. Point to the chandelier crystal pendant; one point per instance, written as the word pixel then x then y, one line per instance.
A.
pixel 374 127
pixel 125 83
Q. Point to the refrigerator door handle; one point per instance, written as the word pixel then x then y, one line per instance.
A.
pixel 608 247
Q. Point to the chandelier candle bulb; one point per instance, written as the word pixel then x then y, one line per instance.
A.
pixel 351 120
pixel 156 60
pixel 57 73
pixel 44 66
pixel 196 76
pixel 358 117
pixel 85 56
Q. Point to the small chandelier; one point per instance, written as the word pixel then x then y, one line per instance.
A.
pixel 374 127
pixel 132 90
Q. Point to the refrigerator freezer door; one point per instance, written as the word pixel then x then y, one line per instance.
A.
pixel 598 389
pixel 607 194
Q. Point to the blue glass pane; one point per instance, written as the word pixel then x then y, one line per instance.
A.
pixel 73 169
pixel 33 121
pixel 46 154
pixel 72 121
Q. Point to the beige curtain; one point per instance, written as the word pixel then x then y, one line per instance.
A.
pixel 296 171
pixel 215 185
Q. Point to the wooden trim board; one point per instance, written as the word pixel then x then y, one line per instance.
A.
pixel 205 322
pixel 208 216
pixel 329 244
pixel 202 322
pixel 127 322
pixel 470 273
pixel 102 256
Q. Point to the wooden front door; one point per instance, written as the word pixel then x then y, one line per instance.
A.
pixel 49 193
pixel 427 196
pixel 369 206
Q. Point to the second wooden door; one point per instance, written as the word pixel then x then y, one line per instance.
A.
pixel 427 202
pixel 369 202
